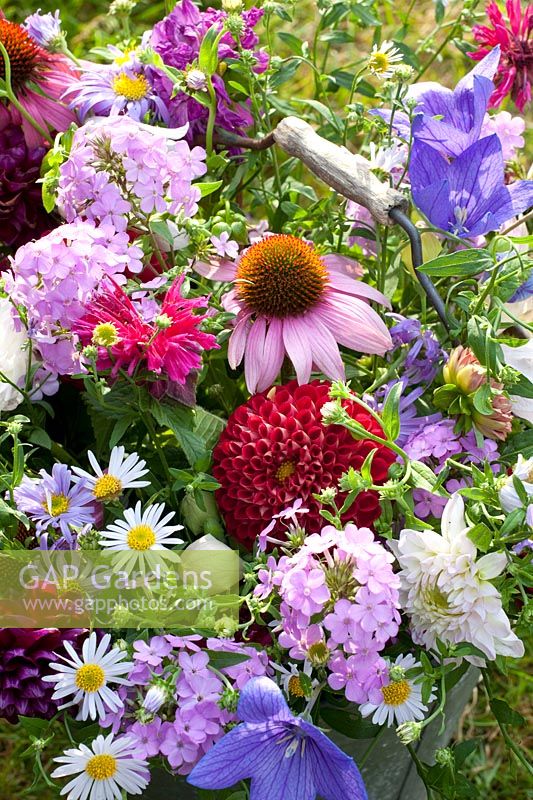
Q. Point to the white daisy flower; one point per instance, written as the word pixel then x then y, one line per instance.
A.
pixel 382 58
pixel 387 158
pixel 87 677
pixel 400 700
pixel 141 531
pixel 122 473
pixel 103 770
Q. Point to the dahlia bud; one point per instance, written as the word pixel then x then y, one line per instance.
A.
pixel 409 732
pixel 196 80
pixel 464 370
pixel 464 376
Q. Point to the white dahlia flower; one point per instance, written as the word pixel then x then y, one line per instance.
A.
pixel 447 592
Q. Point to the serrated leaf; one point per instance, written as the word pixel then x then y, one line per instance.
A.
pixel 180 421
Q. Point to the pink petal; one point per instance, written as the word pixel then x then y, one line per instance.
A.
pixel 325 351
pixel 253 356
pixel 237 341
pixel 231 302
pixel 343 264
pixel 298 347
pixel 354 324
pixel 273 355
pixel 218 270
pixel 345 284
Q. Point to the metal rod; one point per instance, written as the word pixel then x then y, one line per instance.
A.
pixel 415 239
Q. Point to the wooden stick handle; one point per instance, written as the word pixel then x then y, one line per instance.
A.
pixel 348 174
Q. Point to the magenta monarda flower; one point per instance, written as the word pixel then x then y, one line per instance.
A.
pixel 25 656
pixel 170 346
pixel 39 79
pixel 515 70
pixel 291 301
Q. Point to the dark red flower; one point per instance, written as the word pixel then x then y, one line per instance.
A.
pixel 515 70
pixel 25 657
pixel 275 449
pixel 22 214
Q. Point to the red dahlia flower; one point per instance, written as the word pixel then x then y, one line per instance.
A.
pixel 38 79
pixel 515 70
pixel 275 449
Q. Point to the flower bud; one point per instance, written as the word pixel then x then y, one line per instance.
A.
pixel 444 756
pixel 409 732
pixel 196 80
pixel 333 413
pixel 156 696
pixel 464 370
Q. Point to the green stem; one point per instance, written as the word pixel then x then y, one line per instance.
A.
pixel 211 118
pixel 370 749
pixel 162 457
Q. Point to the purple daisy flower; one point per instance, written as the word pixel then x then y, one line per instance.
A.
pixel 45 29
pixel 54 501
pixel 118 88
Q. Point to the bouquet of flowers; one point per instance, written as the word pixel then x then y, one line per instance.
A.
pixel 266 394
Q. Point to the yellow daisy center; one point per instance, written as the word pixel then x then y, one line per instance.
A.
pixel 141 537
pixel 379 62
pixel 285 471
pixel 101 767
pixel 107 488
pixel 105 334
pixel 90 678
pixel 396 693
pixel 295 686
pixel 59 504
pixel 281 276
pixel 318 653
pixel 132 88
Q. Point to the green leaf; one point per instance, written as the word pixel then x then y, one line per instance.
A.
pixel 220 660
pixel 208 55
pixel 512 521
pixel 505 714
pixel 483 399
pixel 462 264
pixel 390 413
pixel 160 228
pixel 524 388
pixel 462 750
pixel 180 421
pixel 208 427
pixel 481 536
pixel 421 476
pixel 34 726
pixel 208 188
pixel 120 428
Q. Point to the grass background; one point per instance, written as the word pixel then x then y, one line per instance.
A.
pixel 490 767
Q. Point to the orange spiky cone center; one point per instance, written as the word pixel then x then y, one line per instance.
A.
pixel 281 276
pixel 24 53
